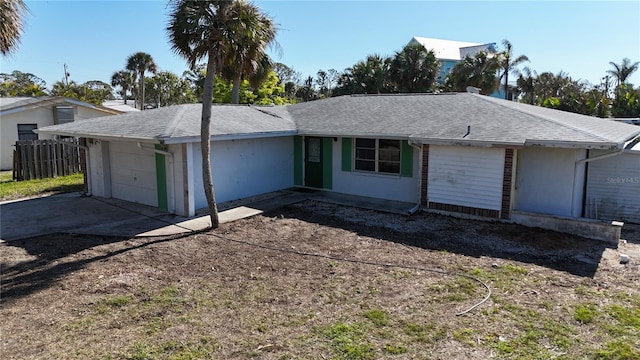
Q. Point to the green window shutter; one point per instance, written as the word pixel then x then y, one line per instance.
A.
pixel 161 180
pixel 346 154
pixel 297 160
pixel 327 163
pixel 406 160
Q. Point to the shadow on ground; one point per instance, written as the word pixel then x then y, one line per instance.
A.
pixel 57 255
pixel 559 251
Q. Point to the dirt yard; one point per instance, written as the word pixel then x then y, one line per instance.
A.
pixel 320 281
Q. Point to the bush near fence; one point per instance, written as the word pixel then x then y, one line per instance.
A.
pixel 38 159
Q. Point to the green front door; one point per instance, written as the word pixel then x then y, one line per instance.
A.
pixel 313 162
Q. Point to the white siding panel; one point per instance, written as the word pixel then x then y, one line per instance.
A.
pixel 466 176
pixel 133 173
pixel 613 188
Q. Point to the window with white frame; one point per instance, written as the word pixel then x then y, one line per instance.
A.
pixel 25 132
pixel 377 155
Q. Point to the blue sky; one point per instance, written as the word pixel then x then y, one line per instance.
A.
pixel 94 38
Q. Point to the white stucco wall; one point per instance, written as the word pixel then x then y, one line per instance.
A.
pixel 466 176
pixel 9 131
pixel 390 187
pixel 243 168
pixel 549 182
pixel 613 187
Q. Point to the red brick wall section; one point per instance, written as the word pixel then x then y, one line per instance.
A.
pixel 465 210
pixel 425 175
pixel 505 212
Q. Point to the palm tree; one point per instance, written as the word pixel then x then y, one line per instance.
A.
pixel 199 29
pixel 414 69
pixel 366 77
pixel 141 62
pixel 12 13
pixel 526 85
pixel 478 71
pixel 125 79
pixel 509 65
pixel 622 71
pixel 252 33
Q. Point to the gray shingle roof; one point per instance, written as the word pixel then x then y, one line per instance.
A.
pixel 442 118
pixel 177 124
pixel 446 118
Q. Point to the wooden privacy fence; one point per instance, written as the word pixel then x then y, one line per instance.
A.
pixel 38 159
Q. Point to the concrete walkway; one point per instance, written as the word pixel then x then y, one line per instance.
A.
pixel 74 213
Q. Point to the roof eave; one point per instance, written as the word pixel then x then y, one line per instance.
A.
pixel 105 137
pixel 574 144
pixel 256 135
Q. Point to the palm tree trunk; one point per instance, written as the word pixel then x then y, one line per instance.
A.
pixel 142 90
pixel 205 140
pixel 235 93
pixel 506 85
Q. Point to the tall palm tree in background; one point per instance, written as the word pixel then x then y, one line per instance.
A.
pixel 622 71
pixel 125 79
pixel 414 69
pixel 12 14
pixel 246 58
pixel 509 64
pixel 141 62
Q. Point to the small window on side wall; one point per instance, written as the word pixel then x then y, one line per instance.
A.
pixel 377 155
pixel 64 114
pixel 25 132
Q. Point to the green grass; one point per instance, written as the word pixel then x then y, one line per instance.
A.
pixel 378 317
pixel 584 313
pixel 12 190
pixel 349 341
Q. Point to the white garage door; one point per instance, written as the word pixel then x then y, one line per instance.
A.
pixel 133 173
pixel 613 188
pixel 466 176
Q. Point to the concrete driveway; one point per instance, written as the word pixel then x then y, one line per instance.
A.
pixel 74 213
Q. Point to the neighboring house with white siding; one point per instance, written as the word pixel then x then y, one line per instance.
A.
pixel 19 116
pixel 463 154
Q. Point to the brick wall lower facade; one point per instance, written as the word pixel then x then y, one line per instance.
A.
pixel 505 212
pixel 425 175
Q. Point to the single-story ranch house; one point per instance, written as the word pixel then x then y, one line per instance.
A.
pixel 464 154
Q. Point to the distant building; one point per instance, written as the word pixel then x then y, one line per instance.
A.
pixel 449 52
pixel 120 106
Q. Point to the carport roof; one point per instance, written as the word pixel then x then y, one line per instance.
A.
pixel 456 119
